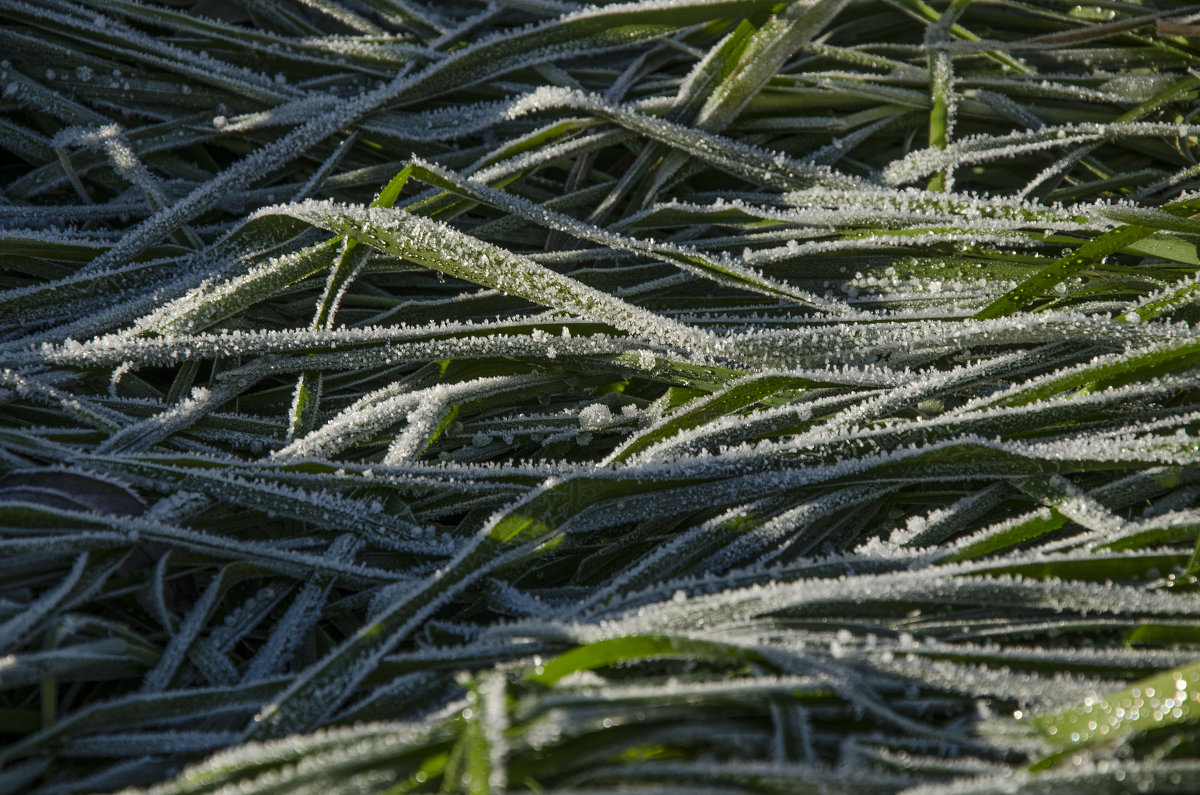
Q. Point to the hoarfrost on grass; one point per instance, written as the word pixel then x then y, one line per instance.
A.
pixel 722 392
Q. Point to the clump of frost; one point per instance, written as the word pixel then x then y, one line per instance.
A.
pixel 595 417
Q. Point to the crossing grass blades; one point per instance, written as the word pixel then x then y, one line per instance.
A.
pixel 674 396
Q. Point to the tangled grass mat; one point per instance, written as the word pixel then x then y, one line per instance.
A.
pixel 679 396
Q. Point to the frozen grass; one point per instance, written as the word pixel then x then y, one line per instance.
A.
pixel 676 396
